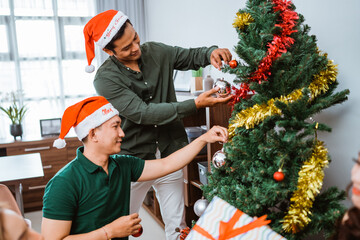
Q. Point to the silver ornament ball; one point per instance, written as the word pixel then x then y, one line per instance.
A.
pixel 225 87
pixel 218 159
pixel 200 206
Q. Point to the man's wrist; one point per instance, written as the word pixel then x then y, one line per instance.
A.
pixel 106 232
pixel 198 103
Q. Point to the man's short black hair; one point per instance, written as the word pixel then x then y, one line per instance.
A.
pixel 110 46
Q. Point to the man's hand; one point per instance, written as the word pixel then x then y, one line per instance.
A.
pixel 123 226
pixel 206 99
pixel 218 55
pixel 215 134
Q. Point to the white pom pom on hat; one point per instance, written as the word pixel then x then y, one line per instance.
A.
pixel 89 68
pixel 101 29
pixel 84 116
pixel 59 143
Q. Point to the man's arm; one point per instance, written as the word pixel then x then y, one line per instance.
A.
pixel 121 227
pixel 132 107
pixel 157 168
pixel 194 58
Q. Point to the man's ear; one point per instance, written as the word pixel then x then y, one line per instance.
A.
pixel 92 135
pixel 108 51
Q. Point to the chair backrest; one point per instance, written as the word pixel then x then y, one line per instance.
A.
pixel 8 198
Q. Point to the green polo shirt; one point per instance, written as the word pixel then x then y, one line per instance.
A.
pixel 83 193
pixel 146 100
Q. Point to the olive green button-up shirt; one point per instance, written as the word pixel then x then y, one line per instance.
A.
pixel 146 100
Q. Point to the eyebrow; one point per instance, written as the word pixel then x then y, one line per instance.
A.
pixel 117 122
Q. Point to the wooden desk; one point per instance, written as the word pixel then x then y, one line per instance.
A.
pixel 15 169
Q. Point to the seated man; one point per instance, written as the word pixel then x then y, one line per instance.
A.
pixel 89 197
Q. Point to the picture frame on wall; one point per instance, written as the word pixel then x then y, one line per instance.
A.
pixel 50 127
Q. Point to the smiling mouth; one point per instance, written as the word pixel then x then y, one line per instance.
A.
pixel 135 53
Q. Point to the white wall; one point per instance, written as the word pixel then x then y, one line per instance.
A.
pixel 193 23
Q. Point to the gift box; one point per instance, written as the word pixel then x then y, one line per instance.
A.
pixel 221 221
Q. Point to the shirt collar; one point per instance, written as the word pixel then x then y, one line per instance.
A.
pixel 122 66
pixel 89 165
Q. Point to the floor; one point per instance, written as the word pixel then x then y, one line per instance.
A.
pixel 152 230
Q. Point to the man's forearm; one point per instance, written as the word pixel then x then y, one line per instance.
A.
pixel 157 168
pixel 98 234
pixel 177 160
pixel 184 156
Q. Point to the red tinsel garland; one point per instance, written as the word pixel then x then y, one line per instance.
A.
pixel 276 48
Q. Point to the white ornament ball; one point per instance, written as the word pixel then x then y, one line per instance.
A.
pixel 200 206
pixel 218 159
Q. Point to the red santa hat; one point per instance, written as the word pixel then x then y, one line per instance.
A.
pixel 101 29
pixel 84 116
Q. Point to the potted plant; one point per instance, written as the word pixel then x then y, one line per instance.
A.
pixel 16 113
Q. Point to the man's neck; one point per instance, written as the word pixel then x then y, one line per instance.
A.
pixel 101 160
pixel 134 65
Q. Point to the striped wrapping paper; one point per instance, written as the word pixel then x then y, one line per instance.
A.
pixel 219 215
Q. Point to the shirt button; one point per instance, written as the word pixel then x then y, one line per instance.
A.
pixel 150 97
pixel 155 125
pixel 157 142
pixel 145 83
pixel 128 68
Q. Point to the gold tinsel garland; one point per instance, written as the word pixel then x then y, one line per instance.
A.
pixel 309 184
pixel 242 20
pixel 250 117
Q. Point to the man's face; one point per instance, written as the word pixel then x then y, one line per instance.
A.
pixel 355 178
pixel 127 48
pixel 109 136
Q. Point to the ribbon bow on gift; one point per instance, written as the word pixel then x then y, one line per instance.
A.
pixel 226 229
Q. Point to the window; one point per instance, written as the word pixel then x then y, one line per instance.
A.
pixel 42 55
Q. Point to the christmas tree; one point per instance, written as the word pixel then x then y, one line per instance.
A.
pixel 274 159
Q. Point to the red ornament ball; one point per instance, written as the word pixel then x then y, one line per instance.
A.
pixel 279 176
pixel 233 63
pixel 138 234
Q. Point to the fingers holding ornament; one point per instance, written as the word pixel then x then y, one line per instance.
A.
pixel 224 87
pixel 139 233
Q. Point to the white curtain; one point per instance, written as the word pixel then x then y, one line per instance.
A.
pixel 134 9
pixel 42 55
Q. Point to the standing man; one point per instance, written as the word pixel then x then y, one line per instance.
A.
pixel 138 81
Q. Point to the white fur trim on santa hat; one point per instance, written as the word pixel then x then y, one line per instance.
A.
pixel 114 26
pixel 89 68
pixel 59 143
pixel 94 120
